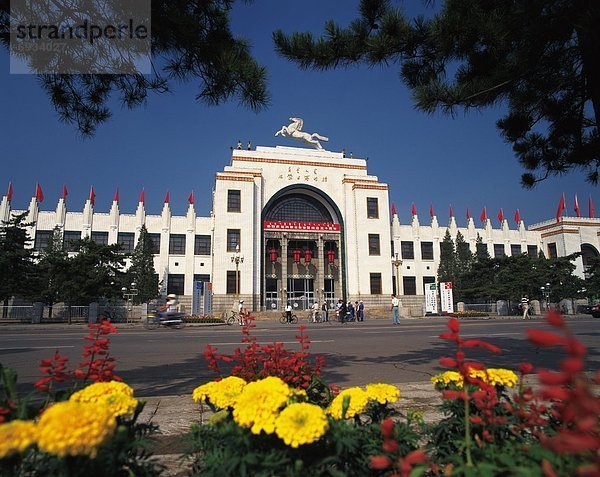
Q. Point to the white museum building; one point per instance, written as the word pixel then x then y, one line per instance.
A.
pixel 300 224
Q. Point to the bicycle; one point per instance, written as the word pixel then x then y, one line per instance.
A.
pixel 284 320
pixel 229 317
pixel 154 320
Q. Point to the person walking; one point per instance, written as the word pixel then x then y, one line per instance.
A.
pixel 325 312
pixel 351 311
pixel 525 307
pixel 360 311
pixel 315 311
pixel 288 312
pixel 395 307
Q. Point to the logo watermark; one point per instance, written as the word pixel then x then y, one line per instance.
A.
pixel 80 37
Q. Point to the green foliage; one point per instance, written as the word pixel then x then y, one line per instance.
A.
pixel 194 42
pixel 538 58
pixel 447 268
pixel 141 271
pixel 93 273
pixel 50 271
pixel 223 448
pixel 16 257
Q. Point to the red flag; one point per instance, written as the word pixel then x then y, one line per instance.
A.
pixel 413 209
pixel 393 209
pixel 92 196
pixel 39 195
pixel 191 198
pixel 501 216
pixel 468 214
pixel 452 212
pixel 591 207
pixel 517 217
pixel 431 213
pixel 116 197
pixel 167 197
pixel 9 193
pixel 64 193
pixel 561 207
pixel 576 207
pixel 483 216
pixel 143 196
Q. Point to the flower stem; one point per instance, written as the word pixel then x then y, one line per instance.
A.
pixel 468 434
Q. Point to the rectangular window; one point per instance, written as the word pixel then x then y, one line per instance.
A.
pixel 177 244
pixel 70 236
pixel 175 283
pixel 126 240
pixel 155 239
pixel 202 245
pixel 374 248
pixel 375 281
pixel 408 250
pixel 393 248
pixel 410 285
pixel 231 284
pixel 201 277
pixel 552 252
pixel 427 281
pixel 234 200
pixel 532 251
pixel 372 208
pixel 233 239
pixel 426 251
pixel 498 250
pixel 101 238
pixel 515 250
pixel 42 239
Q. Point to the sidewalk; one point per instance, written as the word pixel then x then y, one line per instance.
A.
pixel 175 414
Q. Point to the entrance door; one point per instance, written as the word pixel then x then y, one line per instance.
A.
pixel 301 293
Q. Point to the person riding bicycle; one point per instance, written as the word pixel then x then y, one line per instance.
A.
pixel 170 308
pixel 242 313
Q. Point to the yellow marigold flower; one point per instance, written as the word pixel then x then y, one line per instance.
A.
pixel 222 393
pixel 382 393
pixel 358 402
pixel 16 436
pixel 502 377
pixel 202 393
pixel 74 428
pixel 301 423
pixel 448 377
pixel 258 404
pixel 114 395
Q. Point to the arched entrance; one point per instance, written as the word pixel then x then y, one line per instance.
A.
pixel 302 243
pixel 588 252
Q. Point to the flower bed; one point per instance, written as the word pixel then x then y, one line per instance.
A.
pixel 274 415
pixel 468 314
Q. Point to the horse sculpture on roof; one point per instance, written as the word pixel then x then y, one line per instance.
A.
pixel 294 131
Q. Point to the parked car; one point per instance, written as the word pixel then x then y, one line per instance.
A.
pixel 595 311
pixel 584 309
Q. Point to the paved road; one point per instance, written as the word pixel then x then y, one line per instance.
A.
pixel 170 362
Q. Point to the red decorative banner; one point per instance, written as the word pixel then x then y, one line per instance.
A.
pixel 292 225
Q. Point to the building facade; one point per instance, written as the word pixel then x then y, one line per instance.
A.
pixel 299 225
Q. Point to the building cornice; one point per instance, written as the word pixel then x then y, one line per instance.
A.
pixel 299 163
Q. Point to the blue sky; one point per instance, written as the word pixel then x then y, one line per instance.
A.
pixel 178 144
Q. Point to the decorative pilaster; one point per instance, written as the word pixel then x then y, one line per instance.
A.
pixel 284 269
pixel 114 222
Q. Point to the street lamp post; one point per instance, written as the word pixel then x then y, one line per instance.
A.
pixel 237 259
pixel 128 294
pixel 546 294
pixel 396 261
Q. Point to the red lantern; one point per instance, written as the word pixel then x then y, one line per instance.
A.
pixel 307 255
pixel 273 255
pixel 296 256
pixel 330 256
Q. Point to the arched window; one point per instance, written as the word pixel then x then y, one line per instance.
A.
pixel 299 207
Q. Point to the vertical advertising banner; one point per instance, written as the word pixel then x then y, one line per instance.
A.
pixel 197 297
pixel 431 304
pixel 446 298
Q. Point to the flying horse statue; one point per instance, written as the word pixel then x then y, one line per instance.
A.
pixel 294 131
